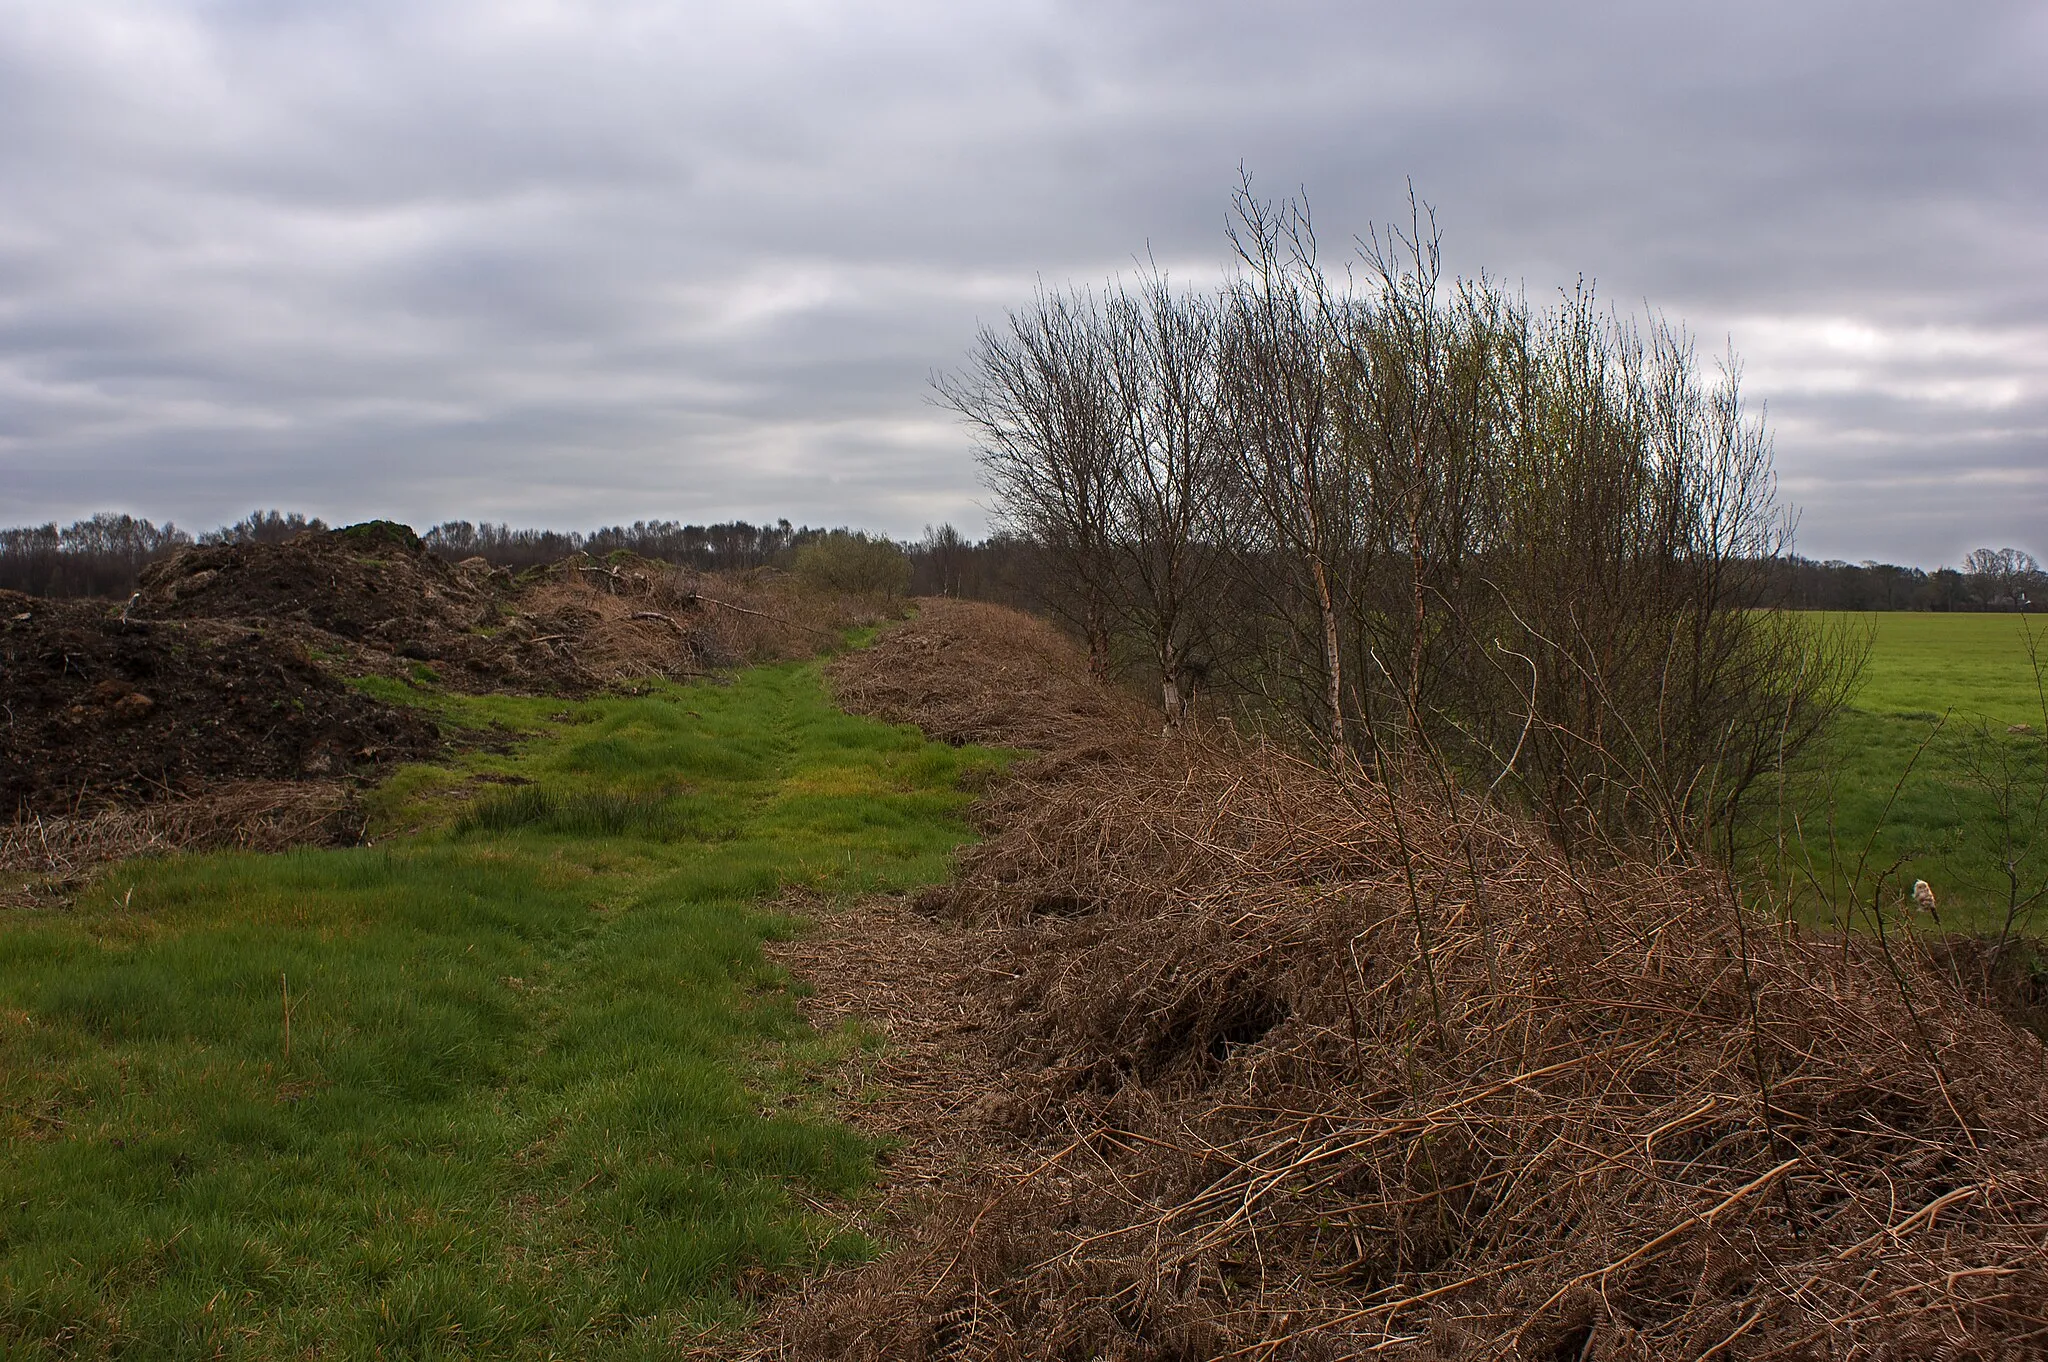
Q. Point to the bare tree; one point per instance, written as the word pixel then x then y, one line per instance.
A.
pixel 1636 506
pixel 1417 515
pixel 1162 362
pixel 1040 396
pixel 263 527
pixel 946 553
pixel 98 556
pixel 2001 579
pixel 1296 497
pixel 1418 420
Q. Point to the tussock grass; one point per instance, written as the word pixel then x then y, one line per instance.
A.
pixel 587 815
pixel 535 1090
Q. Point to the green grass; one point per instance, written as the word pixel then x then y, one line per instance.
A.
pixel 543 1094
pixel 1923 780
pixel 1930 663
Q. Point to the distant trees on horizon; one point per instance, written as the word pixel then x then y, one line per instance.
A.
pixel 99 556
pixel 102 555
pixel 1989 580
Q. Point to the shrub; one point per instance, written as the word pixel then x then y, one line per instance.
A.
pixel 854 563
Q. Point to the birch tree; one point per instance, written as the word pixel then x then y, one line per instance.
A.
pixel 1296 498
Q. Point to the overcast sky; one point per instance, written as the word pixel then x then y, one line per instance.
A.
pixel 571 262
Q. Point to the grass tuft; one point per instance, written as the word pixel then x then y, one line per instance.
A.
pixel 580 815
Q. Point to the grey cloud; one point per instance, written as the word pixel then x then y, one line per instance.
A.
pixel 558 262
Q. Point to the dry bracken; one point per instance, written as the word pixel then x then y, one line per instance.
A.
pixel 1300 1066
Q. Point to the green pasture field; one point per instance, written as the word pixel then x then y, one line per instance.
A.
pixel 1925 779
pixel 1976 665
pixel 535 1091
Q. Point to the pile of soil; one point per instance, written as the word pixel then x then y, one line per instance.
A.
pixel 571 627
pixel 374 583
pixel 101 712
pixel 228 664
pixel 1291 1064
pixel 379 593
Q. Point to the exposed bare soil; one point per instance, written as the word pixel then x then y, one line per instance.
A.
pixel 1208 1053
pixel 230 666
pixel 102 713
pixel 377 596
pixel 373 583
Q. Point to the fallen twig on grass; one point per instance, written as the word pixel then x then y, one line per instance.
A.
pixel 763 614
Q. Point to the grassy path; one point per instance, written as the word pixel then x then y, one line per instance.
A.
pixel 537 1092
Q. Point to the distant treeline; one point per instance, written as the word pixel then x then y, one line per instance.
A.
pixel 1990 579
pixel 943 562
pixel 103 555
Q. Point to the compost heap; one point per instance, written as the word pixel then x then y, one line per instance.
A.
pixel 380 597
pixel 105 712
pixel 215 706
pixel 1299 1066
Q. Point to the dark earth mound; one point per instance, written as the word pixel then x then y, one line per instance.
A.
pixel 375 584
pixel 385 598
pixel 229 663
pixel 97 712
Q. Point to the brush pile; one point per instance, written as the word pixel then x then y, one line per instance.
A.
pixel 1305 1067
pixel 590 624
pixel 965 672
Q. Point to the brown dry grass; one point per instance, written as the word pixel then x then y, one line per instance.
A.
pixel 588 624
pixel 965 672
pixel 932 1089
pixel 52 854
pixel 1291 1065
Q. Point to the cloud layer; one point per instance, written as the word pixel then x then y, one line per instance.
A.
pixel 566 263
